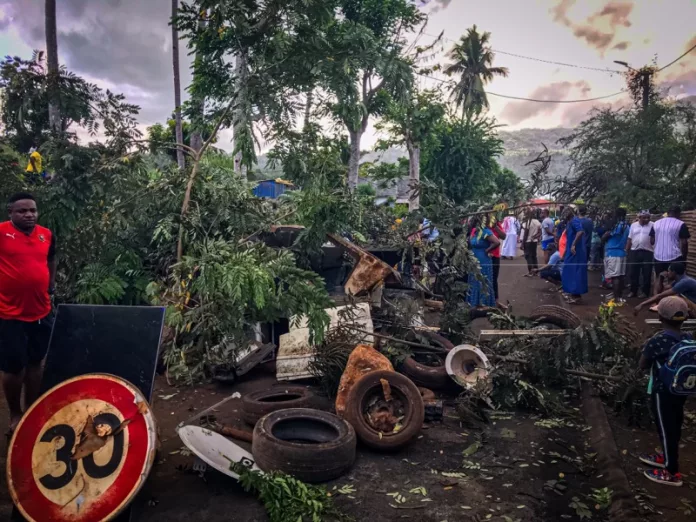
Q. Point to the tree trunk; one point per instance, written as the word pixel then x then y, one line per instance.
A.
pixel 196 136
pixel 308 108
pixel 413 177
pixel 178 130
pixel 52 62
pixel 354 162
pixel 240 67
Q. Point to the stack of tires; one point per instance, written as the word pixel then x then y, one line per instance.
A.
pixel 293 436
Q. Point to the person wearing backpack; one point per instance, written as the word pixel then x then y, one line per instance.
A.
pixel 670 355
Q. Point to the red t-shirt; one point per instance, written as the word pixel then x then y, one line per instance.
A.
pixel 496 232
pixel 562 244
pixel 24 276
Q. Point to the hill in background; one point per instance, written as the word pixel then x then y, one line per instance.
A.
pixel 521 147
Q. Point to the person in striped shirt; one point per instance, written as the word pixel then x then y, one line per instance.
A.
pixel 671 240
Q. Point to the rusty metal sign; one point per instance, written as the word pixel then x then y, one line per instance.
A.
pixel 82 452
pixel 368 272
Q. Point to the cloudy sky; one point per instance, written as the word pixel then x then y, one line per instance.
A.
pixel 125 45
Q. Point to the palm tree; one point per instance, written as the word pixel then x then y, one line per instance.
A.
pixel 197 103
pixel 52 62
pixel 473 58
pixel 178 129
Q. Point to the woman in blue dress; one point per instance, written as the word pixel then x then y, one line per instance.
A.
pixel 575 259
pixel 482 242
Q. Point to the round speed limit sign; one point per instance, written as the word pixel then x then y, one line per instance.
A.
pixel 82 451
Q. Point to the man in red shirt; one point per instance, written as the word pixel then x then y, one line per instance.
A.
pixel 27 277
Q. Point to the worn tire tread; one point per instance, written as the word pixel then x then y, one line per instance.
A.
pixel 253 406
pixel 307 462
pixel 556 315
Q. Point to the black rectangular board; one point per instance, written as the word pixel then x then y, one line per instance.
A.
pixel 121 340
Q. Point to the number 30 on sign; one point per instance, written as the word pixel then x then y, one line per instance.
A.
pixel 60 469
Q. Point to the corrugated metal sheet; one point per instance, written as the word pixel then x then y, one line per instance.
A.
pixel 690 219
pixel 270 189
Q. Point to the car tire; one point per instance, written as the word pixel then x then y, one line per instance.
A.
pixel 311 445
pixel 432 377
pixel 257 404
pixel 364 389
pixel 557 316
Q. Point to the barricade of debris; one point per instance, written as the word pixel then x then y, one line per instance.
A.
pixel 388 365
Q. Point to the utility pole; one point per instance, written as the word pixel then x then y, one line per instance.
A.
pixel 645 75
pixel 178 125
pixel 54 118
pixel 646 88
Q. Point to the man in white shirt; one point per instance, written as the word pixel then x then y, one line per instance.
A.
pixel 639 247
pixel 671 240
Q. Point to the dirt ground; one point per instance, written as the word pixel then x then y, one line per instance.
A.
pixel 524 469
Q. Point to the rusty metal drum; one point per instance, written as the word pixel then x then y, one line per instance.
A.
pixel 82 451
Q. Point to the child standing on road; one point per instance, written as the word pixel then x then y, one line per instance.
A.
pixel 667 406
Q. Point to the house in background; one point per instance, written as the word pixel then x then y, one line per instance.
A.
pixel 272 188
pixel 392 193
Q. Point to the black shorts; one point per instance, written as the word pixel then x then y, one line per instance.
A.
pixel 23 344
pixel 662 266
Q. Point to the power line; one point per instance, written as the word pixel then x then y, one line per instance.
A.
pixel 556 101
pixel 557 63
pixel 675 61
pixel 613 71
pixel 528 99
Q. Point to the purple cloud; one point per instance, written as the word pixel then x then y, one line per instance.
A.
pixel 519 111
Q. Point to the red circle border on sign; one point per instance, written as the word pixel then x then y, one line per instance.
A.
pixel 20 478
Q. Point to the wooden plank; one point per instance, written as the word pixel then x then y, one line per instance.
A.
pixel 656 322
pixel 488 335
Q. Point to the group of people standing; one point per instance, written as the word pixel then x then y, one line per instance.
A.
pixel 570 246
pixel 575 243
pixel 630 253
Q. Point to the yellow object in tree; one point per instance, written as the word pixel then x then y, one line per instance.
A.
pixel 38 161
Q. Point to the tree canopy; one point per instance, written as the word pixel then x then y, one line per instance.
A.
pixel 461 159
pixel 644 158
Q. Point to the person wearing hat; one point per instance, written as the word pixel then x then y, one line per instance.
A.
pixel 667 407
pixel 639 248
pixel 682 285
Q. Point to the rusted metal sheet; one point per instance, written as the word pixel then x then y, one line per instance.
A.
pixel 368 272
pixel 82 452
